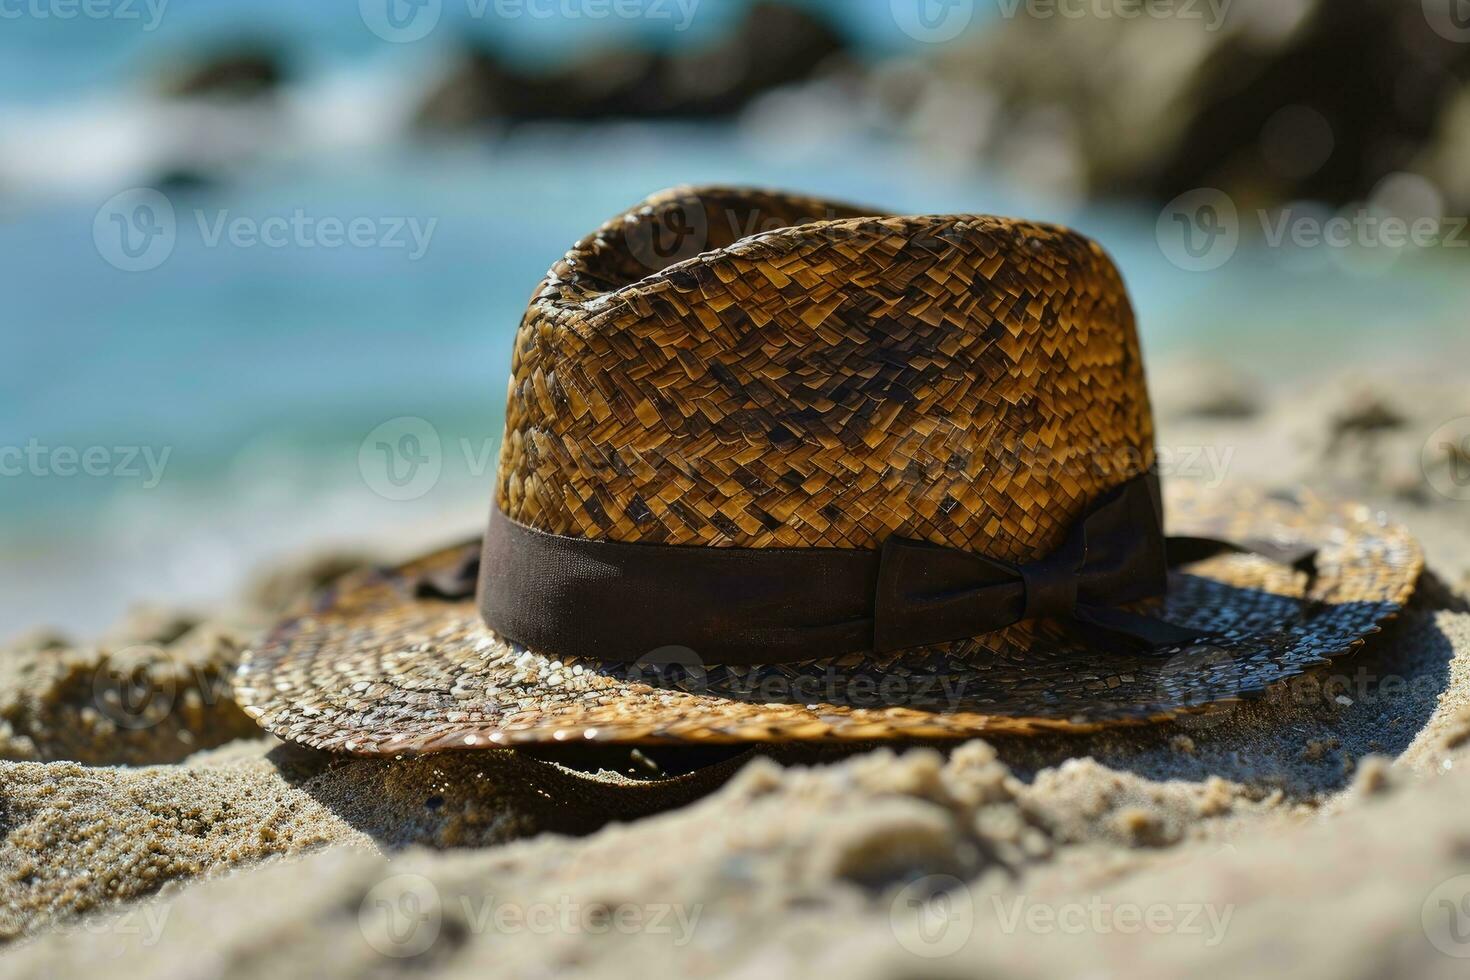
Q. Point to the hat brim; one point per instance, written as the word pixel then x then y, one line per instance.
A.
pixel 376 667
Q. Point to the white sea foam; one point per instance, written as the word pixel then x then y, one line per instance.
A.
pixel 120 139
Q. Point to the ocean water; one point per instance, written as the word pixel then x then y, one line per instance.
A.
pixel 243 401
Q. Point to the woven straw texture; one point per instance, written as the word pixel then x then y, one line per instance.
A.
pixel 831 384
pixel 734 368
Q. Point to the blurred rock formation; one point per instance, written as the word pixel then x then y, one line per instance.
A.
pixel 1268 100
pixel 246 71
pixel 773 45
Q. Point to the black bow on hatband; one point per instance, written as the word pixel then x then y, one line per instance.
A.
pixel 576 597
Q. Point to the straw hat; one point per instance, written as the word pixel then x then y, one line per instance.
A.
pixel 776 468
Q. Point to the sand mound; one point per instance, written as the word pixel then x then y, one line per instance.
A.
pixel 806 870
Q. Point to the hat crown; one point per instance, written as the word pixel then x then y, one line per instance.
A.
pixel 733 368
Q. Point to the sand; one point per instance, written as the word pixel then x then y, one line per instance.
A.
pixel 1316 832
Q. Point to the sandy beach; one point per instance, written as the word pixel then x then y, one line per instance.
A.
pixel 149 826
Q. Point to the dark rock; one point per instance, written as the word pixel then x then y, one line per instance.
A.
pixel 1205 389
pixel 774 45
pixel 184 181
pixel 601 84
pixel 1366 418
pixel 1327 113
pixel 1277 102
pixel 244 73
